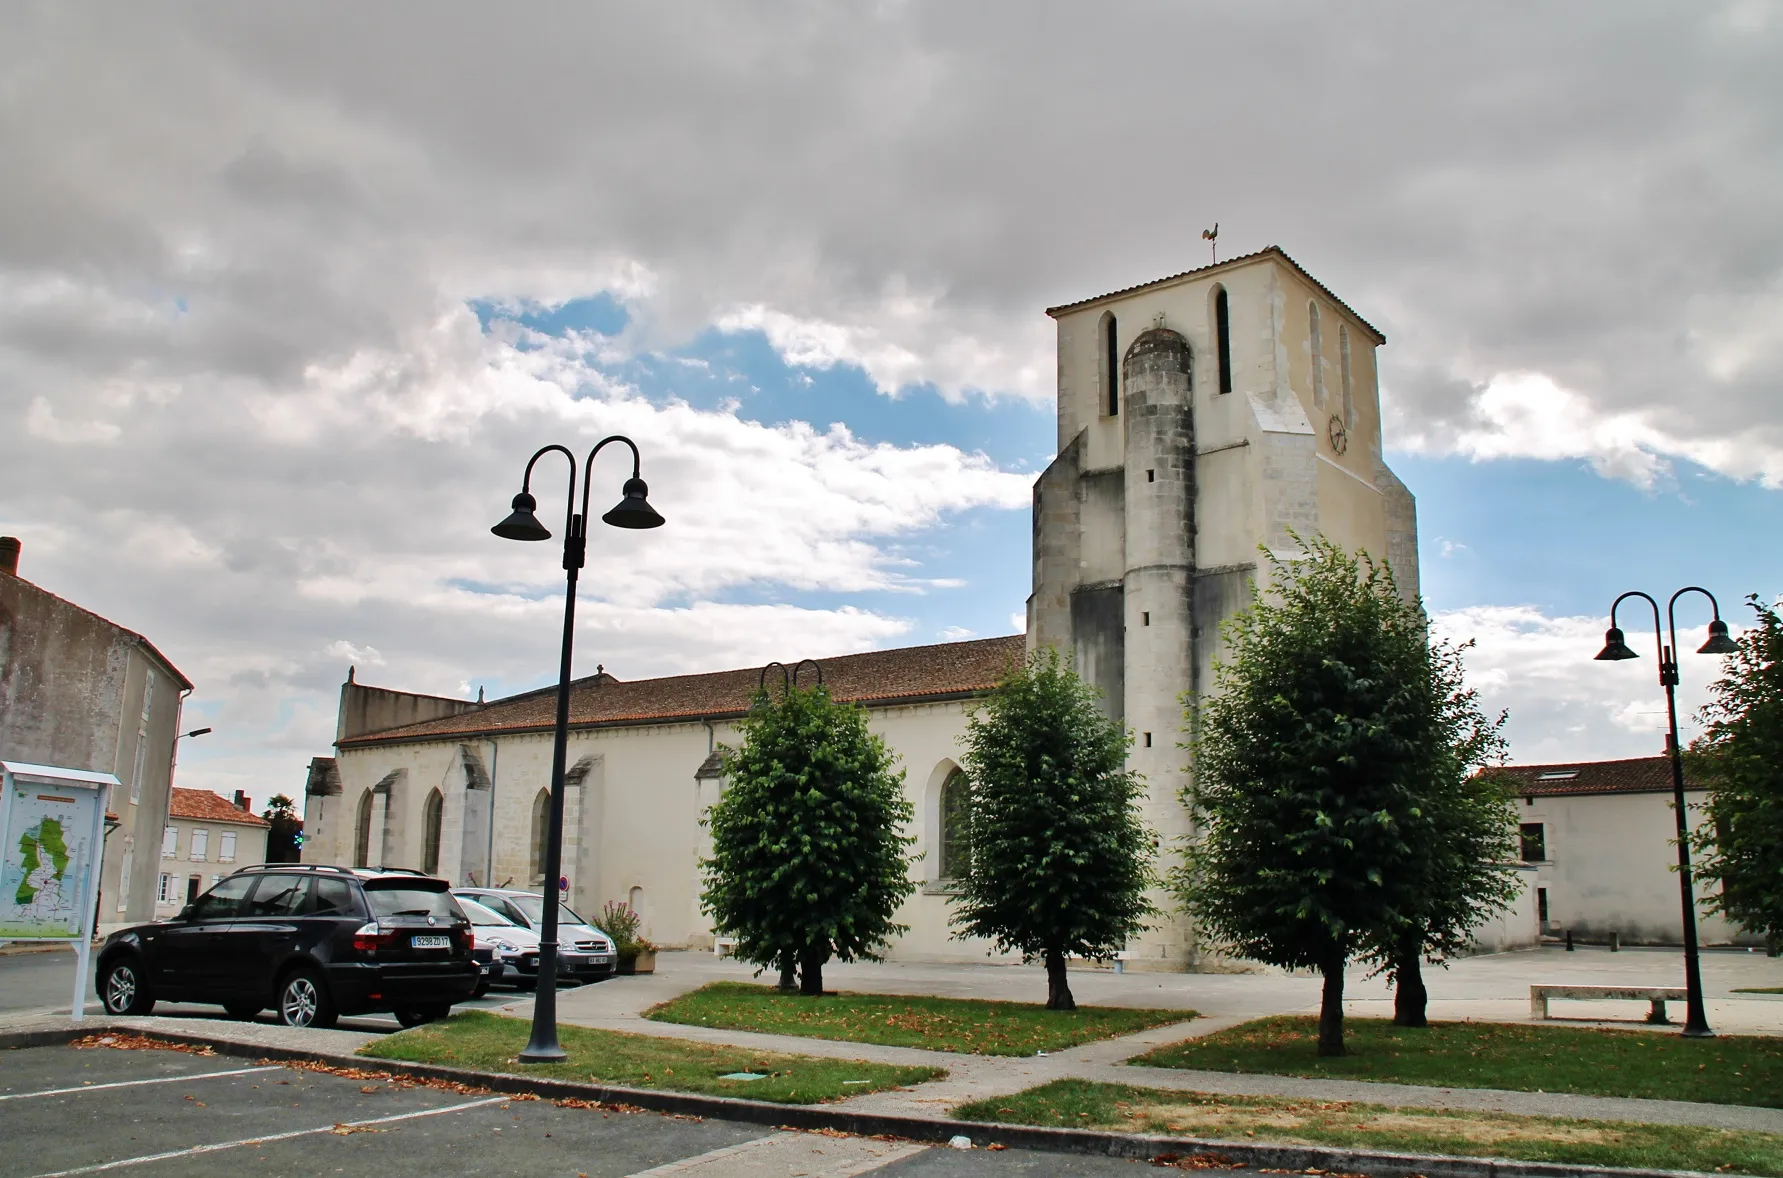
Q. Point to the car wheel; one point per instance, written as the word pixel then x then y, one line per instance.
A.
pixel 122 988
pixel 482 989
pixel 304 1000
pixel 243 1010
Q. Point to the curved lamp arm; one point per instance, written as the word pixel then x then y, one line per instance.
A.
pixel 588 468
pixel 569 514
pixel 1719 642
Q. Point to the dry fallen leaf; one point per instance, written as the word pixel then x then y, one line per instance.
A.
pixel 343 1130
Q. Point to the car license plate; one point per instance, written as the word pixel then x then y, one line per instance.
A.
pixel 431 942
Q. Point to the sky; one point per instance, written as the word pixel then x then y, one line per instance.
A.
pixel 289 294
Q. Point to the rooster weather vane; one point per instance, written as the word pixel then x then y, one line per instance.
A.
pixel 1212 238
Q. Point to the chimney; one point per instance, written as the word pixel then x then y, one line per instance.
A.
pixel 241 799
pixel 9 555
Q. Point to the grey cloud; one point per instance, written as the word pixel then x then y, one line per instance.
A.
pixel 1585 190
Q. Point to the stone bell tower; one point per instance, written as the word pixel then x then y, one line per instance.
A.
pixel 1201 416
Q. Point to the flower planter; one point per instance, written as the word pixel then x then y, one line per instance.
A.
pixel 639 963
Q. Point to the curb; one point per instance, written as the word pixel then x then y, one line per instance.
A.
pixel 934 1130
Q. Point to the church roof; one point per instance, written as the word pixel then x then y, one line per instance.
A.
pixel 1637 775
pixel 912 674
pixel 1269 251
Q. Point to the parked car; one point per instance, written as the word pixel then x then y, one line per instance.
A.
pixel 583 951
pixel 513 949
pixel 314 942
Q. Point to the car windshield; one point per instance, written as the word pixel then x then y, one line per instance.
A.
pixel 483 917
pixel 410 899
pixel 534 907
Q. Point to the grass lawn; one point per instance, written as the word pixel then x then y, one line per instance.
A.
pixel 1730 1069
pixel 489 1042
pixel 1086 1105
pixel 967 1025
pixel 1759 990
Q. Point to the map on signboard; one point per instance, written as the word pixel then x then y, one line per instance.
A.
pixel 45 862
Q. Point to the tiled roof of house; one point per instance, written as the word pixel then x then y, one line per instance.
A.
pixel 911 674
pixel 1275 251
pixel 205 806
pixel 1638 775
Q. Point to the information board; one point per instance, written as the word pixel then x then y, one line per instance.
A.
pixel 52 844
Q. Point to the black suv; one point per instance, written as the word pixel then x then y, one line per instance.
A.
pixel 314 942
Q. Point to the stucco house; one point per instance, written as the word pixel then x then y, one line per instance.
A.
pixel 1601 837
pixel 81 692
pixel 207 836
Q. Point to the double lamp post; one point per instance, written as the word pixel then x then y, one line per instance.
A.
pixel 633 511
pixel 1615 649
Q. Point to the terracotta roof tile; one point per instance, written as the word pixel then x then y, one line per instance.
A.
pixel 1637 775
pixel 1267 251
pixel 881 676
pixel 205 806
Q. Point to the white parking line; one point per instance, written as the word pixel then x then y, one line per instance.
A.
pixel 138 1083
pixel 269 1138
pixel 810 1154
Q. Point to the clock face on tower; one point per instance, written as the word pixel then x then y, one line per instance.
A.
pixel 1340 437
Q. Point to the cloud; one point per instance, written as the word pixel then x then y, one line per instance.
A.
pixel 1563 704
pixel 248 409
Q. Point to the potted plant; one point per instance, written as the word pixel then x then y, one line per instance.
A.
pixel 635 954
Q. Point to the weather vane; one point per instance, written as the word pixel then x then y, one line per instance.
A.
pixel 1212 238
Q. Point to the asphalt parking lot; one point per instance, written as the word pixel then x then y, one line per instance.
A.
pixel 67 1111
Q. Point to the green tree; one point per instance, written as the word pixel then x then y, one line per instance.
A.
pixel 281 839
pixel 1310 761
pixel 1058 859
pixel 808 840
pixel 1462 830
pixel 1739 757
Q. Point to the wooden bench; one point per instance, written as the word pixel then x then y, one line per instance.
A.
pixel 1655 996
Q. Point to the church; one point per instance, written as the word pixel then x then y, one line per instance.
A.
pixel 1200 417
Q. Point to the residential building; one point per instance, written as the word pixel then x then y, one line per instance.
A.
pixel 206 837
pixel 81 692
pixel 1602 839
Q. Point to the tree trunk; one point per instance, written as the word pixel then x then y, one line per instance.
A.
pixel 789 979
pixel 1410 998
pixel 1331 1009
pixel 811 973
pixel 1058 990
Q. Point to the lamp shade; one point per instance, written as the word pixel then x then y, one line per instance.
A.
pixel 1719 642
pixel 521 523
pixel 1614 648
pixel 634 511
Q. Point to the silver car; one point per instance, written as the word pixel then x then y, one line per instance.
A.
pixel 583 951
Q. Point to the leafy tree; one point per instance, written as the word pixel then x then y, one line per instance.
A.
pixel 808 840
pixel 1059 859
pixel 1462 831
pixel 281 839
pixel 1317 765
pixel 1739 757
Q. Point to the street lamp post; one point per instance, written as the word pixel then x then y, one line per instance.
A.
pixel 1696 1022
pixel 633 511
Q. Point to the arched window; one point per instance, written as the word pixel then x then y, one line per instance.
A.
pixel 431 812
pixel 362 832
pixel 1111 367
pixel 541 833
pixel 1343 361
pixel 956 850
pixel 1318 355
pixel 1222 337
